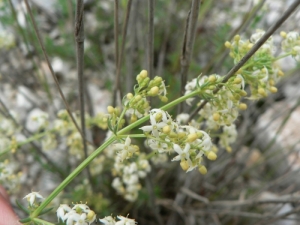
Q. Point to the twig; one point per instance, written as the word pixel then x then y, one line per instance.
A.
pixel 188 45
pixel 50 67
pixel 150 38
pixel 124 33
pixel 79 37
pixel 251 52
pixel 116 35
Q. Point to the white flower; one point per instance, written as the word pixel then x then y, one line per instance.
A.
pixel 61 211
pixel 82 207
pixel 108 220
pixel 31 197
pixel 125 149
pixel 155 127
pixel 125 221
pixel 183 118
pixel 182 154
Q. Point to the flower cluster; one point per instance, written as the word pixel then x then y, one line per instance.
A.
pixel 137 104
pixel 109 220
pixel 79 214
pixel 167 136
pixel 291 44
pixel 8 176
pixel 260 71
pixel 126 182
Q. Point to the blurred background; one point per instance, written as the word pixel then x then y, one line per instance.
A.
pixel 258 183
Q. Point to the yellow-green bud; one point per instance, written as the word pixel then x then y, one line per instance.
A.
pixel 90 216
pixel 154 91
pixel 129 96
pixel 181 135
pixel 191 137
pixel 110 109
pixel 216 116
pixel 158 117
pixel 203 170
pixel 166 129
pixel 227 44
pixel 243 93
pixel 250 45
pixel 228 149
pixel 163 98
pixel 212 78
pixel 237 80
pixel 237 38
pixel 271 82
pixel 273 89
pixel 199 134
pixel 212 156
pixel 184 165
pixel 157 80
pixel 143 74
pixel 283 34
pixel 133 118
pixel 280 73
pixel 262 92
pixel 242 106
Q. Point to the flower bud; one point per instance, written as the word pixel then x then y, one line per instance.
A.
pixel 262 92
pixel 283 34
pixel 280 73
pixel 237 38
pixel 163 98
pixel 166 129
pixel 212 78
pixel 184 165
pixel 242 106
pixel 203 170
pixel 237 80
pixel 273 89
pixel 153 91
pixel 133 118
pixel 143 74
pixel 191 137
pixel 110 109
pixel 129 96
pixel 158 117
pixel 216 116
pixel 227 44
pixel 212 156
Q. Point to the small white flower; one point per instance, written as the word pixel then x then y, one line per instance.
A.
pixel 108 220
pixel 125 149
pixel 125 221
pixel 182 154
pixel 155 127
pixel 62 210
pixel 31 197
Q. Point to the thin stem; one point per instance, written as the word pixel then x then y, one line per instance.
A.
pixel 116 35
pixel 50 67
pixel 150 38
pixel 251 52
pixel 79 37
pixel 188 45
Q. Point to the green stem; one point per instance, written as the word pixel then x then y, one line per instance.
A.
pixel 42 222
pixel 282 56
pixel 132 136
pixel 100 149
pixel 33 138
